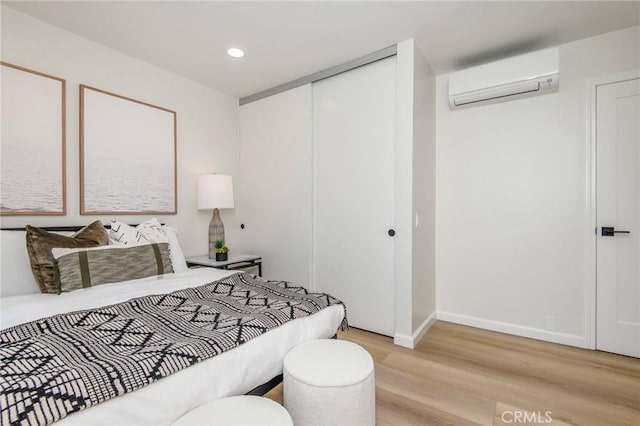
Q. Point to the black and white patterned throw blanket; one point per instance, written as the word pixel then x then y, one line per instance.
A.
pixel 55 366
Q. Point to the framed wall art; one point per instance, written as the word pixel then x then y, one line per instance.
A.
pixel 127 155
pixel 32 143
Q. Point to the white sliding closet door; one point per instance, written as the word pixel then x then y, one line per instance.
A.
pixel 353 192
pixel 275 183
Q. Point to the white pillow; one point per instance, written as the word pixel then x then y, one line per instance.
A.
pixel 58 252
pixel 150 231
pixel 177 256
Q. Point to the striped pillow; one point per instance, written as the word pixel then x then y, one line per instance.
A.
pixel 82 268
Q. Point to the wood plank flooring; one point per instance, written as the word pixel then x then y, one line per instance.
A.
pixel 461 375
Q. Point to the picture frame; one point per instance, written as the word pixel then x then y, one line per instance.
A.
pixel 32 143
pixel 128 155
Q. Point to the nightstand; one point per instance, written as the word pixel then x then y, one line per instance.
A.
pixel 235 261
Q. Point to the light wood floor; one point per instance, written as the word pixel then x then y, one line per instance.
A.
pixel 460 375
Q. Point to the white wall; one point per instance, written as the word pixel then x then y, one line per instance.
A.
pixel 207 119
pixel 424 192
pixel 415 194
pixel 404 194
pixel 512 200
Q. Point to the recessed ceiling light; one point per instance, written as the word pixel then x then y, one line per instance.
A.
pixel 236 53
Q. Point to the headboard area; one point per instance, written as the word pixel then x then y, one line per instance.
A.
pixel 16 277
pixel 72 228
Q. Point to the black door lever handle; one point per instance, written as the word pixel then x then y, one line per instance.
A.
pixel 610 231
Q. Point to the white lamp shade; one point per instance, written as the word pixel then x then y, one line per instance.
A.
pixel 215 192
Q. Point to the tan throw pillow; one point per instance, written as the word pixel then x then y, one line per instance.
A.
pixel 40 243
pixel 88 267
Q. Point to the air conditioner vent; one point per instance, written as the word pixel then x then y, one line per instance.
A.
pixel 514 78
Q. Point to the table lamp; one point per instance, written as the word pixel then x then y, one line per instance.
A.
pixel 215 192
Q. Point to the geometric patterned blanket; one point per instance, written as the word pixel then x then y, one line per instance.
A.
pixel 55 366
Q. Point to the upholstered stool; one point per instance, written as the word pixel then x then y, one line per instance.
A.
pixel 238 410
pixel 329 382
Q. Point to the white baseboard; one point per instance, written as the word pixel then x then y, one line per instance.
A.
pixel 411 341
pixel 518 330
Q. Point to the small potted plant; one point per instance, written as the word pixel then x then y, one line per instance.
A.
pixel 222 251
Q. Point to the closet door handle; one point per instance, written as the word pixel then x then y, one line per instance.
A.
pixel 391 232
pixel 242 226
pixel 610 231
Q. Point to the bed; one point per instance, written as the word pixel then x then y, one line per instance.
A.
pixel 233 372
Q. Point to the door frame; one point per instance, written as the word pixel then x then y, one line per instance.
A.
pixel 590 252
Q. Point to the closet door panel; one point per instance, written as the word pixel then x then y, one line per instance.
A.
pixel 353 192
pixel 275 183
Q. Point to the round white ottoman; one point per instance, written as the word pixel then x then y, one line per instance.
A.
pixel 329 382
pixel 238 410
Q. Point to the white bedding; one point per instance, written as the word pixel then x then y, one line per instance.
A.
pixel 232 373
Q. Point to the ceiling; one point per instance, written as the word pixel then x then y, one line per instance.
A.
pixel 287 40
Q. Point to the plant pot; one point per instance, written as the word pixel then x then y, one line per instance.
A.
pixel 222 257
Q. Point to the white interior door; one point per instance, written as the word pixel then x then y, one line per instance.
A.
pixel 353 192
pixel 618 208
pixel 275 184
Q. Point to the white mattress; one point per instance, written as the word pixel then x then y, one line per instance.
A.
pixel 232 373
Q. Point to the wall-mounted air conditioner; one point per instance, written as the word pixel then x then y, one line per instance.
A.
pixel 513 78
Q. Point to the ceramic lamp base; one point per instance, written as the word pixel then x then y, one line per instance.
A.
pixel 216 232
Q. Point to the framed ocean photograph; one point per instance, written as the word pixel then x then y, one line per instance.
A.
pixel 32 142
pixel 127 155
